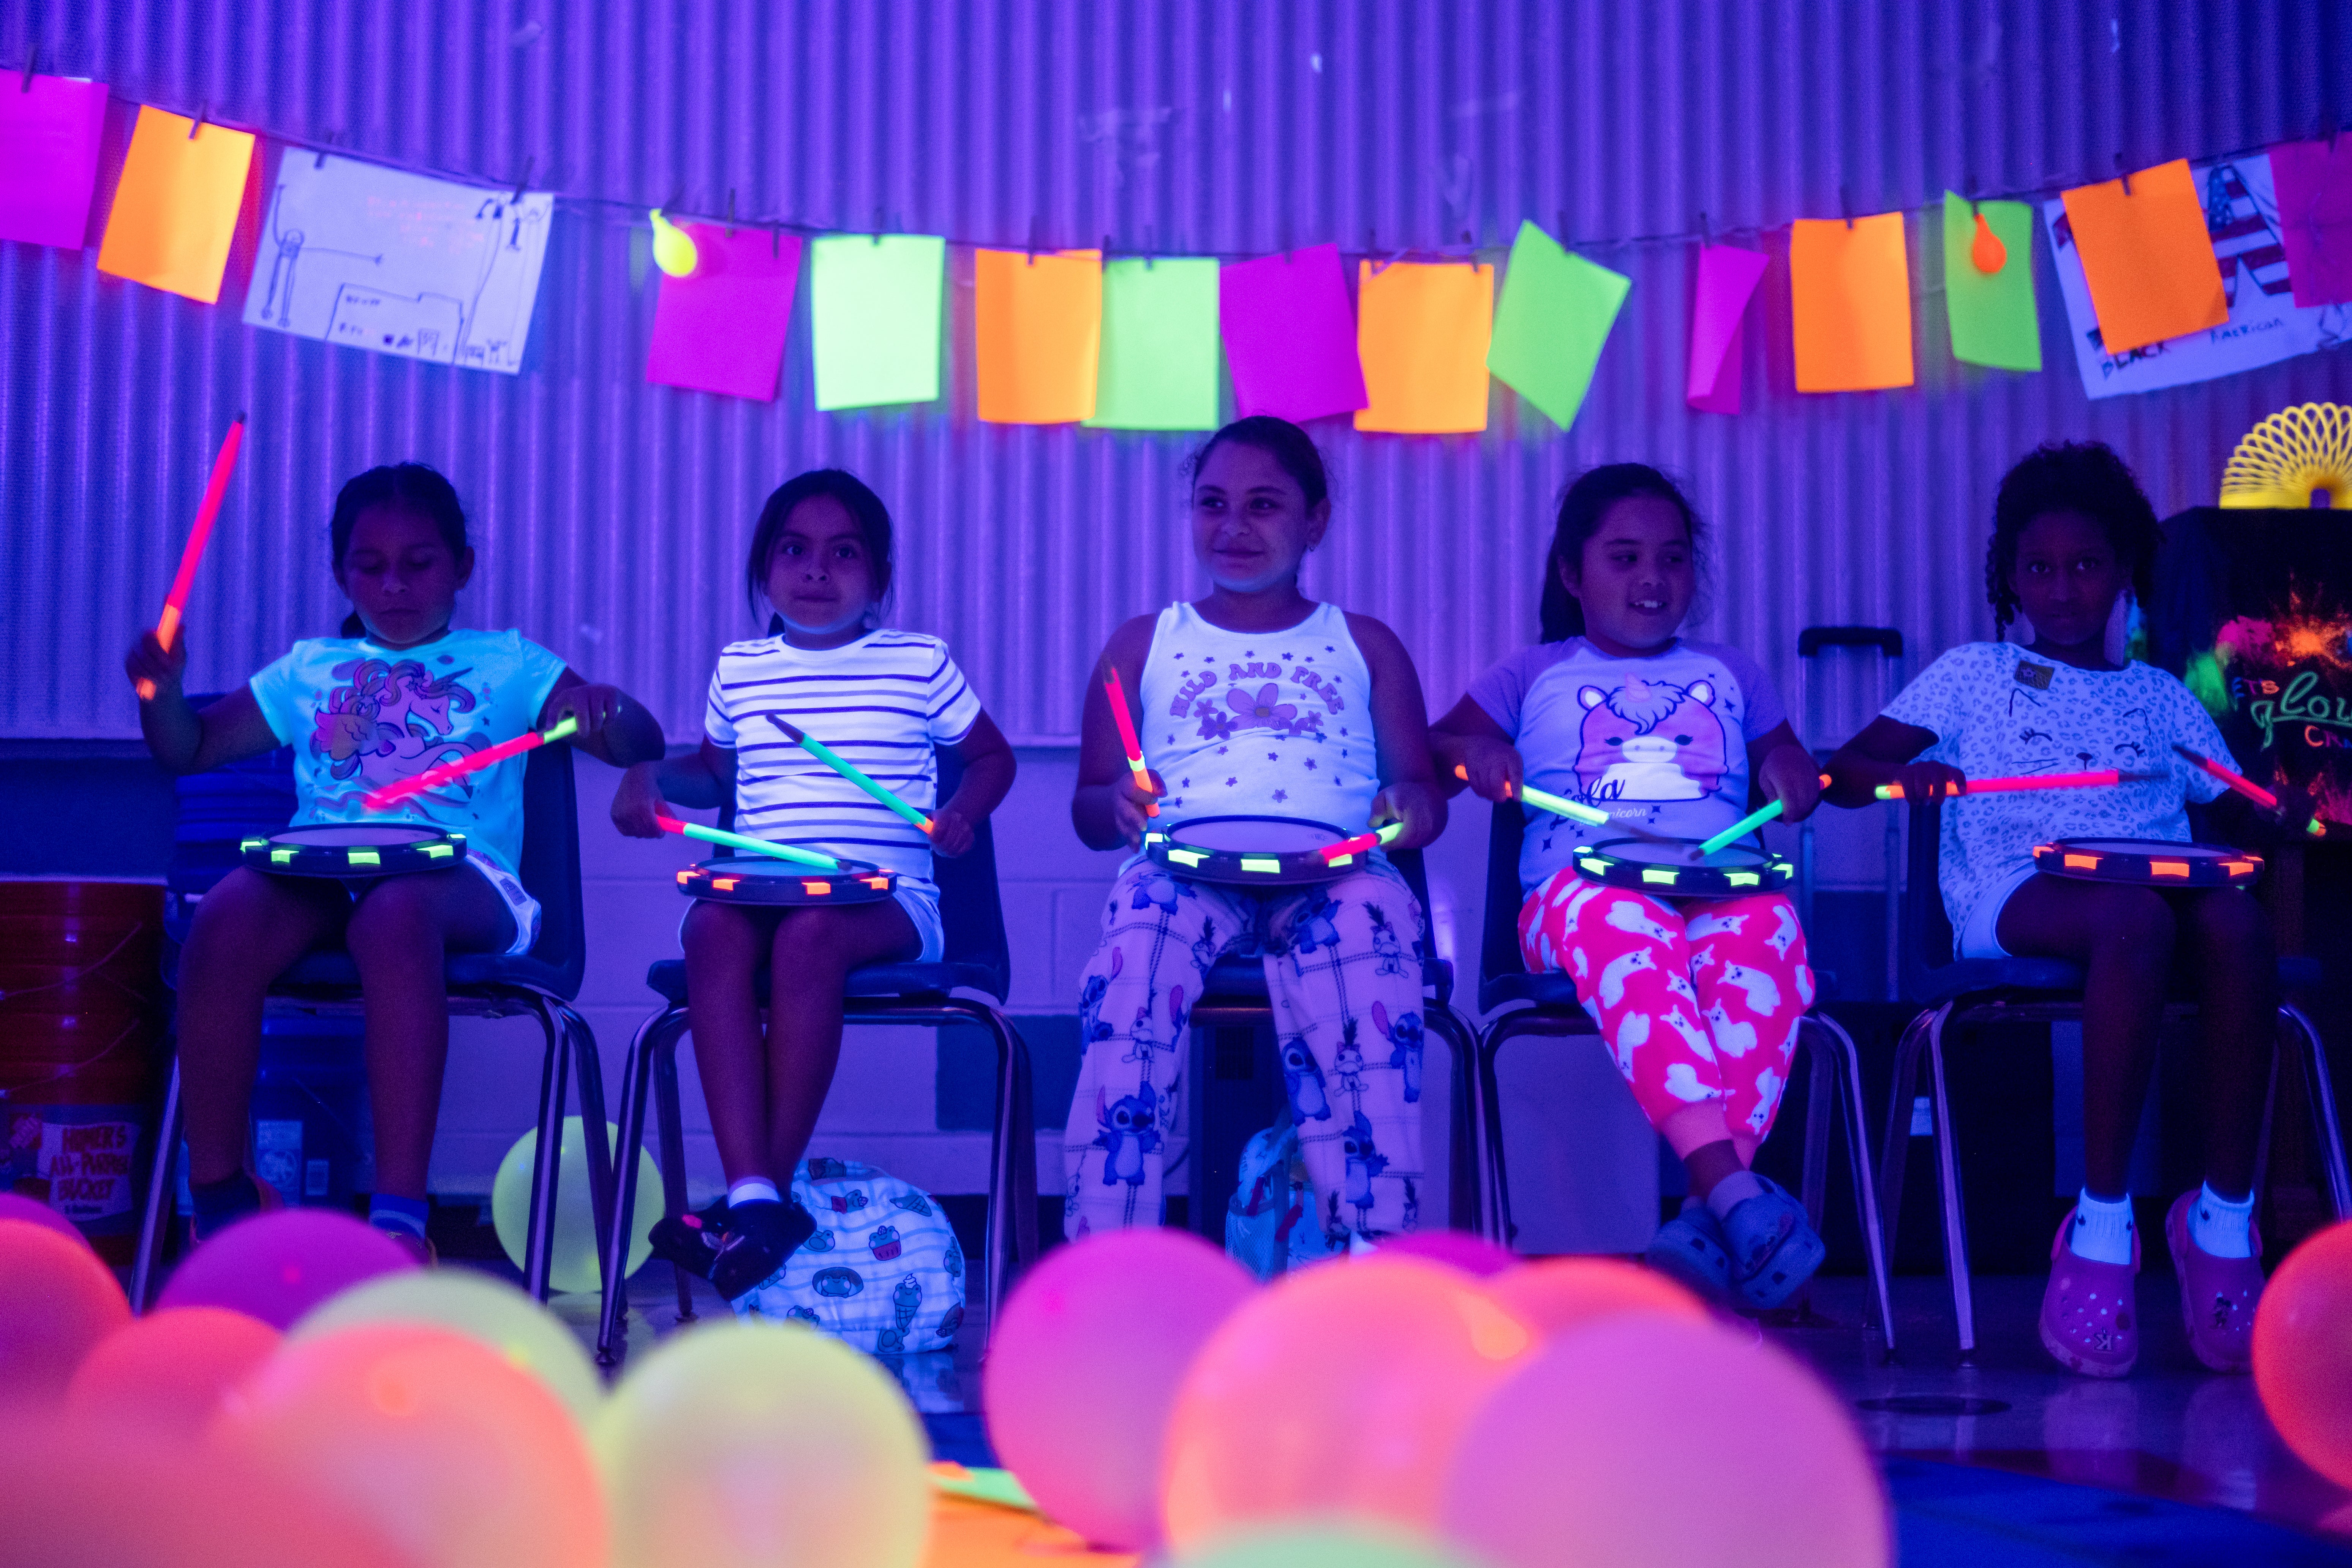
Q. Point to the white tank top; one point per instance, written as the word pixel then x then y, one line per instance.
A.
pixel 1261 724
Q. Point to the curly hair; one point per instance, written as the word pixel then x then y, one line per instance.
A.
pixel 2085 476
pixel 1582 506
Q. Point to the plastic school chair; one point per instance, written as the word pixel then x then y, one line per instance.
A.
pixel 539 984
pixel 968 985
pixel 1518 1002
pixel 1963 990
pixel 1233 996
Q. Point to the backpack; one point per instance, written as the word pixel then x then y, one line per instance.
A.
pixel 1270 1225
pixel 882 1271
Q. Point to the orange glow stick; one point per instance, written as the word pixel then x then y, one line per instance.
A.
pixel 449 773
pixel 167 625
pixel 1127 738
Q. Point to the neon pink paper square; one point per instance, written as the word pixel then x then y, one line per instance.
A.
pixel 721 328
pixel 1290 335
pixel 48 158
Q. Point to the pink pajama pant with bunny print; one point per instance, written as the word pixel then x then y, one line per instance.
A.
pixel 1699 1001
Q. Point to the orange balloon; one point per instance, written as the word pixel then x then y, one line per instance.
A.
pixel 76 1495
pixel 1986 252
pixel 57 1303
pixel 459 1458
pixel 168 1371
pixel 1341 1389
pixel 2303 1352
pixel 1557 1294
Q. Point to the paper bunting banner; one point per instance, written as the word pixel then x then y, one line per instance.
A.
pixel 371 257
pixel 1039 322
pixel 1993 318
pixel 1555 315
pixel 721 328
pixel 2264 326
pixel 1726 280
pixel 1423 333
pixel 1290 338
pixel 875 303
pixel 1851 289
pixel 48 158
pixel 1160 358
pixel 2314 182
pixel 2146 256
pixel 175 206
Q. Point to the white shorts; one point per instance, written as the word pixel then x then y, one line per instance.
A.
pixel 1980 938
pixel 518 903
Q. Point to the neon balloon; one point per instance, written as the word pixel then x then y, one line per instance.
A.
pixel 1557 1294
pixel 58 1304
pixel 1473 1254
pixel 1349 1544
pixel 17 1205
pixel 1083 1369
pixel 277 1265
pixel 1987 254
pixel 674 248
pixel 579 1258
pixel 487 1310
pixel 169 1370
pixel 2303 1352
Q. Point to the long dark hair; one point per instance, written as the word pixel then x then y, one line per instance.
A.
pixel 873 523
pixel 1293 448
pixel 1581 507
pixel 2087 476
pixel 415 488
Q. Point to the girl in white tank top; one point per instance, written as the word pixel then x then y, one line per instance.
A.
pixel 1256 701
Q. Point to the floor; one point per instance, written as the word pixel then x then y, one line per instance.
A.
pixel 2006 1459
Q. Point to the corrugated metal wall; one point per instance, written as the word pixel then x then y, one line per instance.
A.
pixel 612 513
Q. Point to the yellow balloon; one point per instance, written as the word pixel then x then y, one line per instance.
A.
pixel 674 250
pixel 578 1262
pixel 761 1445
pixel 488 1312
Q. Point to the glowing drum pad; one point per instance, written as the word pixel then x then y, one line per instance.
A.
pixel 2152 862
pixel 348 849
pixel 1667 871
pixel 1249 851
pixel 758 879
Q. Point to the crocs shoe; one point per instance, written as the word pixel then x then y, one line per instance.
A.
pixel 2089 1321
pixel 1689 1250
pixel 2218 1295
pixel 1773 1245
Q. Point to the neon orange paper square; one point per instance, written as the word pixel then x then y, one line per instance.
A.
pixel 1039 331
pixel 1852 293
pixel 2146 257
pixel 175 206
pixel 1421 333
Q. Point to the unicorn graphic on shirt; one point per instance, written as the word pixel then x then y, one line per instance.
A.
pixel 1651 739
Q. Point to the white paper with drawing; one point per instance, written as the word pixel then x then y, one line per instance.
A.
pixel 403 264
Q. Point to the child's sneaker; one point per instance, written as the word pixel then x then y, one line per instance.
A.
pixel 2218 1295
pixel 1773 1245
pixel 759 1236
pixel 2089 1320
pixel 691 1240
pixel 1689 1250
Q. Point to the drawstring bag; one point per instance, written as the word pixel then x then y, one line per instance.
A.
pixel 882 1270
pixel 1270 1225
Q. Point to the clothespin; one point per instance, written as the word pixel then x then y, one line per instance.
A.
pixel 321 161
pixel 1150 244
pixel 731 212
pixel 1846 205
pixel 521 183
pixel 31 55
pixel 877 228
pixel 1372 250
pixel 199 123
pixel 2124 172
pixel 1033 239
pixel 775 239
pixel 2332 126
pixel 1106 248
pixel 1706 230
pixel 1976 206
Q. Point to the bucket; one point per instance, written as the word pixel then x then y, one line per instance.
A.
pixel 81 1015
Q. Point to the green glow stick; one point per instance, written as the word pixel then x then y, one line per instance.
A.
pixel 848 770
pixel 1739 829
pixel 752 845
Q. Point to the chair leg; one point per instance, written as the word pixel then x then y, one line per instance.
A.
pixel 1896 1149
pixel 155 1223
pixel 662 1046
pixel 1948 1177
pixel 611 1319
pixel 2321 1083
pixel 1486 1117
pixel 1011 1244
pixel 1821 1092
pixel 1838 1062
pixel 1463 1207
pixel 547 1166
pixel 589 1069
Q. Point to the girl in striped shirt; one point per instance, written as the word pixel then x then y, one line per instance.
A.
pixel 884 699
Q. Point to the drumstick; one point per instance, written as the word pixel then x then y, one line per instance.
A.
pixel 2100 780
pixel 756 846
pixel 1745 826
pixel 1361 842
pixel 167 625
pixel 1127 738
pixel 1575 811
pixel 2245 787
pixel 848 770
pixel 448 773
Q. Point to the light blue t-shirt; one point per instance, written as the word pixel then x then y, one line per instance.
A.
pixel 360 717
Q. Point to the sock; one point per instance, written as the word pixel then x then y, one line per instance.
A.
pixel 1733 1191
pixel 402 1215
pixel 2101 1229
pixel 2220 1226
pixel 753 1190
pixel 221 1203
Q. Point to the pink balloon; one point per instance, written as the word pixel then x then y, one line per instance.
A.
pixel 1557 1294
pixel 2303 1352
pixel 1340 1390
pixel 57 1302
pixel 1082 1372
pixel 1455 1248
pixel 17 1205
pixel 167 1373
pixel 1649 1441
pixel 277 1265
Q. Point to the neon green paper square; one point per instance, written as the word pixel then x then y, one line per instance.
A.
pixel 1552 322
pixel 1993 318
pixel 876 307
pixel 1159 346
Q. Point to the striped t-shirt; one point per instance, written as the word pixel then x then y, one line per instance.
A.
pixel 883 702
